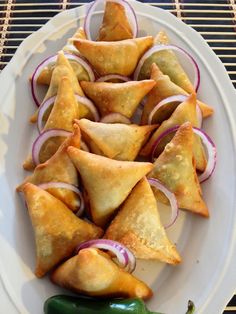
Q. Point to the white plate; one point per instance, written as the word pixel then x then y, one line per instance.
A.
pixel 207 274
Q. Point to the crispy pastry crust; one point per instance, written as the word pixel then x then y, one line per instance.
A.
pixel 138 226
pixel 92 272
pixel 108 182
pixel 176 170
pixel 57 230
pixel 116 141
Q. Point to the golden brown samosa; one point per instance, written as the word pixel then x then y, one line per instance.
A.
pixel 59 168
pixel 62 115
pixel 92 272
pixel 138 226
pixel 57 230
pixel 115 25
pixel 65 109
pixel 165 88
pixel 81 74
pixel 123 98
pixel 117 141
pixel 63 69
pixel 168 63
pixel 176 170
pixel 114 57
pixel 107 182
pixel 186 111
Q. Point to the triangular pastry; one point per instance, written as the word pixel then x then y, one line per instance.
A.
pixel 63 69
pixel 175 169
pixel 57 230
pixel 81 74
pixel 186 111
pixel 168 64
pixel 62 115
pixel 138 226
pixel 114 57
pixel 115 25
pixel 107 182
pixel 59 168
pixel 65 108
pixel 92 272
pixel 117 141
pixel 123 98
pixel 165 88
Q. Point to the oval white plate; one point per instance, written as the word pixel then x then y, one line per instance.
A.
pixel 207 274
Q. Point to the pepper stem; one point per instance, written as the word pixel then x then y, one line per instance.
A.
pixel 191 307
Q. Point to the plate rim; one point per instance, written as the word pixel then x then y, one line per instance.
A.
pixel 9 75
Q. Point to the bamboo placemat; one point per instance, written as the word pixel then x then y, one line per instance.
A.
pixel 215 20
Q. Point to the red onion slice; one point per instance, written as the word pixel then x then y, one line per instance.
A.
pixel 132 261
pixel 43 108
pixel 109 77
pixel 52 60
pixel 124 256
pixel 83 63
pixel 207 142
pixel 158 48
pixel 42 138
pixel 129 12
pixel 171 197
pixel 115 117
pixel 37 71
pixel 199 116
pixel 67 186
pixel 211 154
pixel 175 98
pixel 89 104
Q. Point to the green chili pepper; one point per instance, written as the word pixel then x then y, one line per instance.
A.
pixel 191 307
pixel 63 304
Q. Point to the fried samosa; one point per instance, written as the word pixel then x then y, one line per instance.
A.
pixel 138 226
pixel 168 64
pixel 92 272
pixel 65 109
pixel 123 98
pixel 62 115
pixel 59 168
pixel 116 141
pixel 165 88
pixel 63 69
pixel 81 74
pixel 186 111
pixel 57 230
pixel 114 57
pixel 107 182
pixel 176 170
pixel 115 24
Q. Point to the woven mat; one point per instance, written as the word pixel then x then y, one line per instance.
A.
pixel 215 20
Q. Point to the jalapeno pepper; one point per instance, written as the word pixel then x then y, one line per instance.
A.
pixel 62 304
